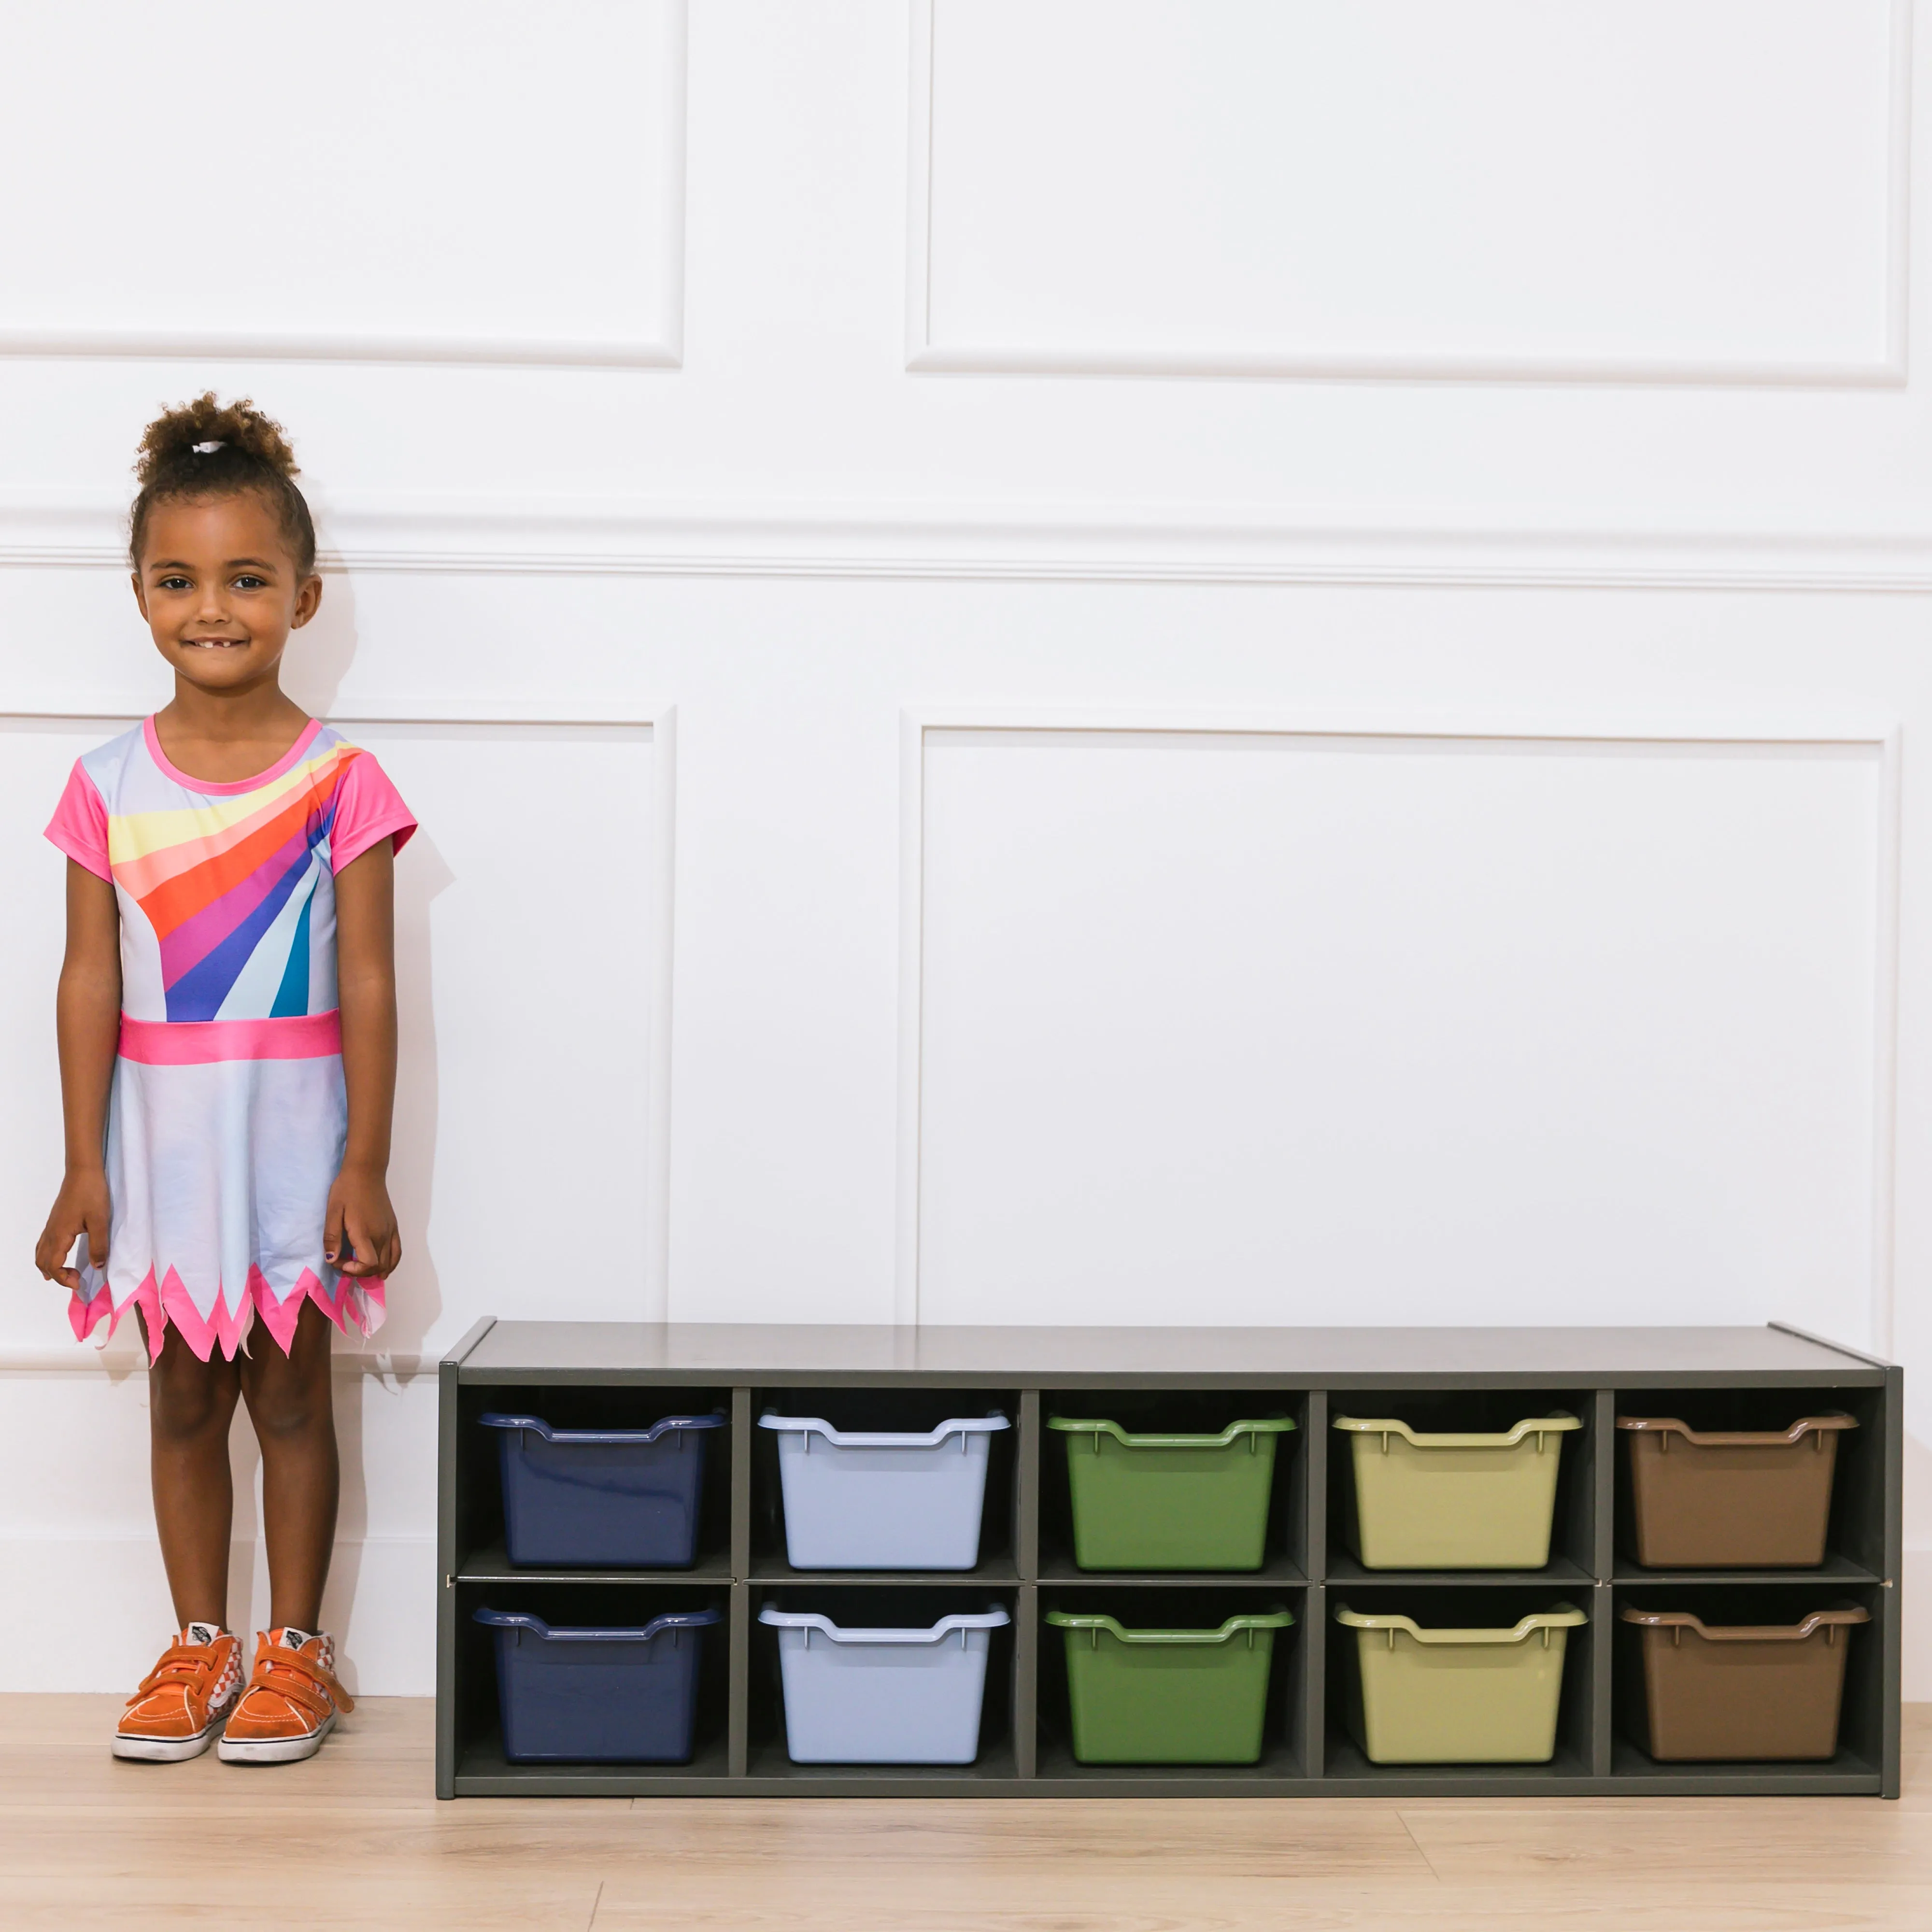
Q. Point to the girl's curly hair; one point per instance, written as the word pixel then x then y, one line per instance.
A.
pixel 206 448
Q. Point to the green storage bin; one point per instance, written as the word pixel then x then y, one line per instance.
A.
pixel 1170 1502
pixel 1454 1501
pixel 1458 1696
pixel 1169 1697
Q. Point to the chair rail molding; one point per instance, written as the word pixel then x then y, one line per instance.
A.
pixel 1156 543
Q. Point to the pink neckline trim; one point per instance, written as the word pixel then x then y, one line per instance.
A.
pixel 208 787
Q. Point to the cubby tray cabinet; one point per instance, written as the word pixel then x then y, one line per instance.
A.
pixel 606 1374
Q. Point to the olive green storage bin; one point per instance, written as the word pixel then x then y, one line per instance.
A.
pixel 1458 1696
pixel 1170 1502
pixel 1454 1501
pixel 1169 1697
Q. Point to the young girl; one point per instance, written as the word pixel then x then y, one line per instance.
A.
pixel 227 1023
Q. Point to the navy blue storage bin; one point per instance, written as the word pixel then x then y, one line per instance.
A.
pixel 598 1696
pixel 602 1498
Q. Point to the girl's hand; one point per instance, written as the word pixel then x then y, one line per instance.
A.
pixel 81 1207
pixel 358 1233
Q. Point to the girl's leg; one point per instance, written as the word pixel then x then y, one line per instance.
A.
pixel 292 1404
pixel 190 1403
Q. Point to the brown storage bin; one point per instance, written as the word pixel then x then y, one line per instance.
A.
pixel 1731 1499
pixel 1742 1692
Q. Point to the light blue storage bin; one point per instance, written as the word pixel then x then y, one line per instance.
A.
pixel 873 1500
pixel 883 1696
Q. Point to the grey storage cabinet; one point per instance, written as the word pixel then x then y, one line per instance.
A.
pixel 589 1375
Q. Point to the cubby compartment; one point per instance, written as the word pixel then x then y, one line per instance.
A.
pixel 1178 1412
pixel 1732 1606
pixel 482 1548
pixel 896 1412
pixel 1486 1607
pixel 478 1730
pixel 925 1678
pixel 1495 1414
pixel 1168 1606
pixel 1855 1534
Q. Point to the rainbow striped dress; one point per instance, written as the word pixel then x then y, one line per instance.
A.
pixel 228 1115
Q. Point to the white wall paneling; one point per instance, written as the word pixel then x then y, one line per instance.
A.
pixel 1254 1025
pixel 1618 190
pixel 443 180
pixel 1663 582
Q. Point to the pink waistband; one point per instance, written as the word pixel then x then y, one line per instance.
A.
pixel 196 1042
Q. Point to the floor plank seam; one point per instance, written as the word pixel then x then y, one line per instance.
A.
pixel 591 1927
pixel 1420 1852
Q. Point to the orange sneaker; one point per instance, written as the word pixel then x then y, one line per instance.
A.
pixel 291 1703
pixel 184 1700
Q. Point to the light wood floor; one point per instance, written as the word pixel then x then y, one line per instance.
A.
pixel 354 1839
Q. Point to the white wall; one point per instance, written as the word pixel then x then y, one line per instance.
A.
pixel 1063 662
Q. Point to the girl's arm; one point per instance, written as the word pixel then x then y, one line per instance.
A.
pixel 359 1235
pixel 87 1012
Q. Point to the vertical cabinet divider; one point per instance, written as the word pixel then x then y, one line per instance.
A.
pixel 1026 1681
pixel 1602 1436
pixel 1026 1602
pixel 1313 1740
pixel 738 1718
pixel 741 1484
pixel 738 1704
pixel 1026 1489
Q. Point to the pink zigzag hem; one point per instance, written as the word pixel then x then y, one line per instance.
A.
pixel 359 1300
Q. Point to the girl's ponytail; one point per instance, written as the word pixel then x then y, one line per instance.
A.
pixel 205 449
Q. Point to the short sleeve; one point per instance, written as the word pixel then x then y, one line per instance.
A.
pixel 368 808
pixel 79 826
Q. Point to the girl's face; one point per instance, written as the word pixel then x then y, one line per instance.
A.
pixel 220 591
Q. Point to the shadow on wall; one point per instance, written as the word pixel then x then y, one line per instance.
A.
pixel 1916 1583
pixel 318 662
pixel 415 1298
pixel 318 658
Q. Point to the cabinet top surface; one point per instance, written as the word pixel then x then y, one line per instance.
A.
pixel 747 1351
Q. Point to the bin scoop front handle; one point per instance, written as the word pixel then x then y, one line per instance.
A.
pixel 1273 1619
pixel 1665 1427
pixel 1678 1621
pixel 1253 1428
pixel 1561 1616
pixel 1385 1426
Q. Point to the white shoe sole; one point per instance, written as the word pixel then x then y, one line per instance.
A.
pixel 274 1750
pixel 167 1750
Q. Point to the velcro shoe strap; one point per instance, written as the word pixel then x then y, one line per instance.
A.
pixel 315 1686
pixel 179 1664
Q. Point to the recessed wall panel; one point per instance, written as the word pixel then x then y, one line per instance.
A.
pixel 434 179
pixel 1605 188
pixel 1279 1029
